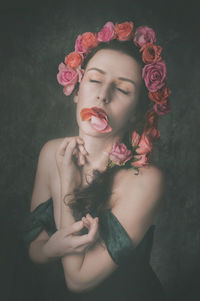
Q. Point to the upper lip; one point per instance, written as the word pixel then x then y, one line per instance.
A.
pixel 99 109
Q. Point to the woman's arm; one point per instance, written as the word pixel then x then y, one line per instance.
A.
pixel 138 206
pixel 44 249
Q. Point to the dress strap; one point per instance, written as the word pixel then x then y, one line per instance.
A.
pixel 40 218
pixel 117 240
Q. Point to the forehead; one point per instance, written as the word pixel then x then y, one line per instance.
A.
pixel 116 63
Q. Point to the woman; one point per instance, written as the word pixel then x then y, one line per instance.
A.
pixel 99 187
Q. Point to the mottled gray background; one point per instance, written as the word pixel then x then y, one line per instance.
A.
pixel 34 39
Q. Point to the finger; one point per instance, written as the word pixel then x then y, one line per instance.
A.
pixel 80 140
pixel 85 239
pixel 69 150
pixel 75 227
pixel 81 159
pixel 85 222
pixel 82 149
pixel 62 146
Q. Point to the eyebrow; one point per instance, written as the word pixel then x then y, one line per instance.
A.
pixel 120 78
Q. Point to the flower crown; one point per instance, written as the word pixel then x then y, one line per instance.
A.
pixel 154 74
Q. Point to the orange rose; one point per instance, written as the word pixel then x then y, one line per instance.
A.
pixel 74 59
pixel 160 96
pixel 89 40
pixel 124 31
pixel 151 53
pixel 142 160
pixel 144 145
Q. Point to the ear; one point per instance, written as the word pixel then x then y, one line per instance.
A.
pixel 75 98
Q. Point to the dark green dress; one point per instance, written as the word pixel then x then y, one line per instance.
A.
pixel 133 280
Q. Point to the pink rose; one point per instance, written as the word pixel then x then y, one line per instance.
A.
pixel 142 160
pixel 135 139
pixel 107 33
pixel 68 78
pixel 78 45
pixel 154 75
pixel 162 109
pixel 144 35
pixel 144 145
pixel 120 154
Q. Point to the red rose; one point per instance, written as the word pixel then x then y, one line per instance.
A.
pixel 74 59
pixel 151 125
pixel 160 96
pixel 151 53
pixel 162 109
pixel 124 31
pixel 89 40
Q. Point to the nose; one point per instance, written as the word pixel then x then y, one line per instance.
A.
pixel 105 94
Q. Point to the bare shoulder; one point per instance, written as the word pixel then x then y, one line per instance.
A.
pixel 49 148
pixel 146 187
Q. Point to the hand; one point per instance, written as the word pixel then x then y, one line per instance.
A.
pixel 70 155
pixel 92 225
pixel 66 241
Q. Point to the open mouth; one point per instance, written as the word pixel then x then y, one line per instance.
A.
pixel 98 119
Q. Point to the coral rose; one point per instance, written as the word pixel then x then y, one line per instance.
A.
pixel 89 40
pixel 135 138
pixel 74 59
pixel 107 33
pixel 120 154
pixel 154 75
pixel 162 109
pixel 124 31
pixel 161 95
pixel 151 53
pixel 144 145
pixel 142 160
pixel 144 35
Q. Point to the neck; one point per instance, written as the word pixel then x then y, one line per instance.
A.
pixel 96 146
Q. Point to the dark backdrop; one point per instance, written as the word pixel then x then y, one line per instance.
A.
pixel 34 39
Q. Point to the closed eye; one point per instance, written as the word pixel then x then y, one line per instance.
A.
pixel 94 81
pixel 123 91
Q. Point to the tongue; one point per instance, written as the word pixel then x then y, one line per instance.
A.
pixel 100 124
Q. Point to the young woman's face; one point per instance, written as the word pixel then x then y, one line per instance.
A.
pixel 112 82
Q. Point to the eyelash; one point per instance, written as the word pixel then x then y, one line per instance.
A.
pixel 122 91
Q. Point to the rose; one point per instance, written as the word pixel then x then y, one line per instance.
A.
pixel 124 31
pixel 151 125
pixel 144 145
pixel 142 160
pixel 163 108
pixel 161 95
pixel 74 59
pixel 135 138
pixel 154 75
pixel 78 45
pixel 151 119
pixel 151 53
pixel 144 35
pixel 119 154
pixel 68 78
pixel 89 40
pixel 107 33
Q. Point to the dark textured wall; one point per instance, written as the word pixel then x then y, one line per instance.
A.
pixel 34 39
